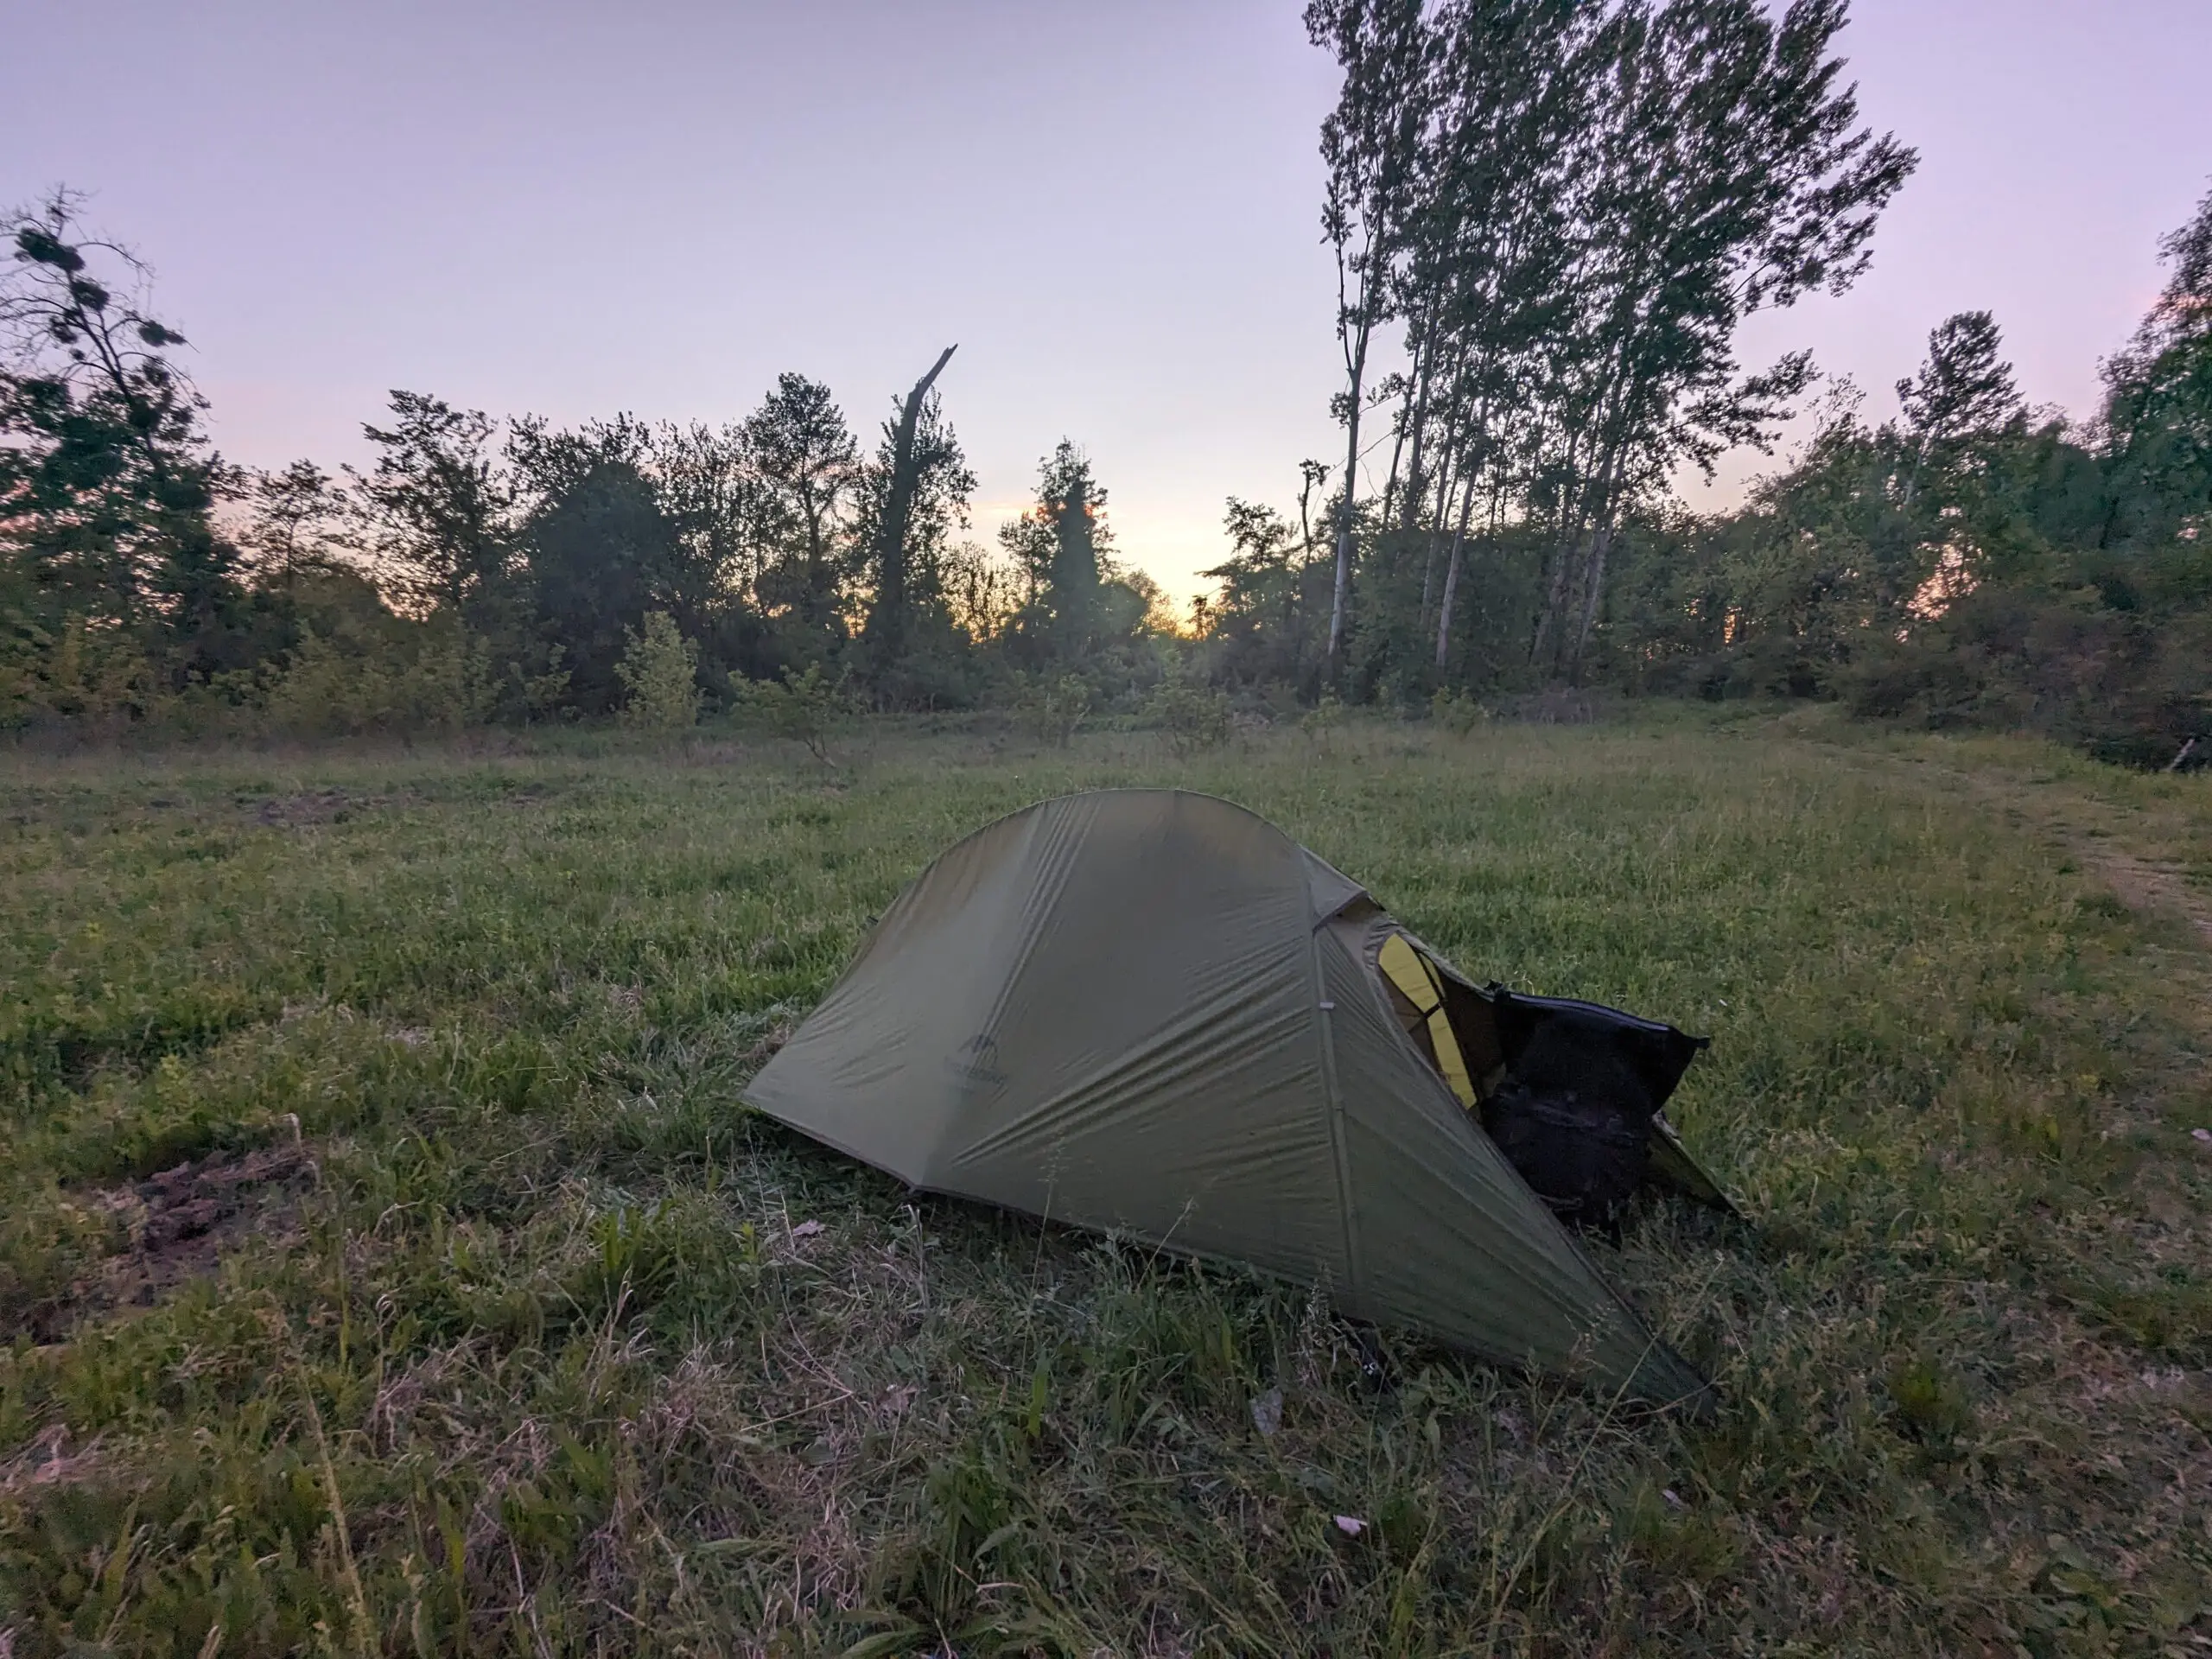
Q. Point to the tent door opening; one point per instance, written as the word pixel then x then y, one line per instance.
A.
pixel 1570 1092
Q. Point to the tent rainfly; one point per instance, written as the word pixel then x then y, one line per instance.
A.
pixel 1150 1012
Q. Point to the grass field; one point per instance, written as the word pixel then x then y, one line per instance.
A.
pixel 386 1265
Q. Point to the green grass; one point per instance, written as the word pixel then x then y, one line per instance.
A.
pixel 526 1336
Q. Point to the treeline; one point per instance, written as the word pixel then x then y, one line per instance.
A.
pixel 1549 219
pixel 1974 562
pixel 479 570
pixel 1562 210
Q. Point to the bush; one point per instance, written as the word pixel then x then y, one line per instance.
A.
pixel 1455 712
pixel 1054 711
pixel 1324 719
pixel 1194 716
pixel 440 682
pixel 96 675
pixel 659 672
pixel 2128 689
pixel 811 707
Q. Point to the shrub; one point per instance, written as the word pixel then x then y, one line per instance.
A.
pixel 811 707
pixel 1456 712
pixel 660 673
pixel 1324 719
pixel 2130 689
pixel 85 673
pixel 1054 711
pixel 433 679
pixel 1194 716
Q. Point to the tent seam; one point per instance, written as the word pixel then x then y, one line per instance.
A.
pixel 1324 1029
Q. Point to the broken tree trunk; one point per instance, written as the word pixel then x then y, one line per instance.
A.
pixel 886 619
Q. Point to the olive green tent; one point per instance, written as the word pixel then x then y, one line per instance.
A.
pixel 1149 1012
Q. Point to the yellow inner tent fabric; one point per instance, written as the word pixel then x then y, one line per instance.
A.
pixel 1413 975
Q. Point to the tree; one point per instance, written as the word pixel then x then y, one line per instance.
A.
pixel 598 552
pixel 1260 630
pixel 906 466
pixel 439 508
pixel 1369 143
pixel 806 461
pixel 107 482
pixel 1064 545
pixel 704 483
pixel 299 521
pixel 2157 434
pixel 1964 386
pixel 1731 175
pixel 1572 208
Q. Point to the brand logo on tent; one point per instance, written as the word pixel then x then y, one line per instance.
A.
pixel 977 1061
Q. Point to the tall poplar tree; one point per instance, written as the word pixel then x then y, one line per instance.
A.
pixel 1370 145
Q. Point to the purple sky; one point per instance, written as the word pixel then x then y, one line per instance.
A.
pixel 656 206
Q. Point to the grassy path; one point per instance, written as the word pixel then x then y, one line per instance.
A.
pixel 2148 838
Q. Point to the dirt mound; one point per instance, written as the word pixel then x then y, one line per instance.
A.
pixel 316 806
pixel 182 1223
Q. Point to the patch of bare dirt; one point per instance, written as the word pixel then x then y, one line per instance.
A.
pixel 47 1460
pixel 315 807
pixel 182 1223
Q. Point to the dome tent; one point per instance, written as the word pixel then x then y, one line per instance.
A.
pixel 1152 1012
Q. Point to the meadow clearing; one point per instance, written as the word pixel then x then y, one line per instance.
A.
pixel 386 1265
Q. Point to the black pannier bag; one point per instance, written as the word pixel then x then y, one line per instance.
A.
pixel 1577 1111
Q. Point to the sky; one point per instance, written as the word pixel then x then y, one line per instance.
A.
pixel 1111 208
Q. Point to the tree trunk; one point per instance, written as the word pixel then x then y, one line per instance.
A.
pixel 1451 579
pixel 1568 548
pixel 1593 586
pixel 1342 592
pixel 887 621
pixel 1445 484
pixel 1601 542
pixel 1414 492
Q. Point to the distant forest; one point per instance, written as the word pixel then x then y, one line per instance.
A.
pixel 1548 219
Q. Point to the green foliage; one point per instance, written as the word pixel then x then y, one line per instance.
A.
pixel 602 557
pixel 1964 388
pixel 1967 568
pixel 106 474
pixel 543 1336
pixel 440 509
pixel 908 503
pixel 1053 710
pixel 809 708
pixel 1573 209
pixel 801 449
pixel 659 676
pixel 1267 626
pixel 82 672
pixel 1456 712
pixel 436 681
pixel 1062 545
pixel 1324 720
pixel 1195 717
